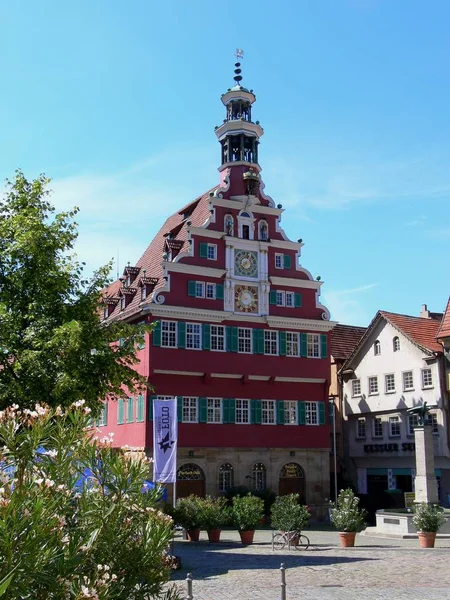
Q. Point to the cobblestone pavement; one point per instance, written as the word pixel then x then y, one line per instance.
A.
pixel 377 568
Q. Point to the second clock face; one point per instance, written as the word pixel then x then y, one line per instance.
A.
pixel 246 263
pixel 246 298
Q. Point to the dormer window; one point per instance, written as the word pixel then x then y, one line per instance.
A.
pixel 396 344
pixel 122 302
pixel 143 292
pixel 105 312
pixel 377 348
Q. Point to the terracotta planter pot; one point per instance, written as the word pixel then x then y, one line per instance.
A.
pixel 347 539
pixel 293 540
pixel 214 535
pixel 426 539
pixel 193 535
pixel 247 536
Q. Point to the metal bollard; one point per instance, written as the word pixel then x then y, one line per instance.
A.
pixel 189 587
pixel 283 581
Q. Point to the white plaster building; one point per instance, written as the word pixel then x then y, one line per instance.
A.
pixel 397 364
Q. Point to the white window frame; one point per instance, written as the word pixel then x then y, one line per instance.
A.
pixel 413 421
pixel 214 410
pixel 433 421
pixel 356 394
pixel 395 420
pixel 193 333
pixel 210 287
pixel 373 378
pixel 217 335
pixel 226 478
pixel 387 388
pixel 292 343
pixel 290 412
pixel 361 428
pixel 268 412
pixel 291 302
pixel 143 293
pixel 246 338
pixel 270 338
pixel 377 348
pixel 424 373
pixel 211 252
pixel 243 410
pixel 407 374
pixel 377 421
pixel 199 289
pixel 311 413
pixel 313 345
pixel 172 330
pixel 189 404
pixel 123 302
pixel 396 344
pixel 279 260
pixel 280 298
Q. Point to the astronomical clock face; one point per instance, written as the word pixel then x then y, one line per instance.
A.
pixel 246 298
pixel 246 263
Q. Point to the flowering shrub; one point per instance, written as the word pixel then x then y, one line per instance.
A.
pixel 346 514
pixel 214 513
pixel 247 512
pixel 74 521
pixel 288 515
pixel 428 517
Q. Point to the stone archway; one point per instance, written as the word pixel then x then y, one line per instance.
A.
pixel 292 481
pixel 190 480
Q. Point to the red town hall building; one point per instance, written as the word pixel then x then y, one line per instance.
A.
pixel 241 338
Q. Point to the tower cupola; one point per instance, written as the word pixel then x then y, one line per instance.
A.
pixel 239 135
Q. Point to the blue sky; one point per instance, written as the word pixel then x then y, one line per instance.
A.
pixel 117 102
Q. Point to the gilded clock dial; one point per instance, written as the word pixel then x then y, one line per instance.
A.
pixel 246 263
pixel 246 298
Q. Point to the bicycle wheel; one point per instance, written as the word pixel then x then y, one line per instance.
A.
pixel 279 541
pixel 303 543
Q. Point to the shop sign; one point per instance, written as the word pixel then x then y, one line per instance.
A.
pixel 405 447
pixel 409 499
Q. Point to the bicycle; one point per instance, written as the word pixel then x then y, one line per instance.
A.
pixel 291 539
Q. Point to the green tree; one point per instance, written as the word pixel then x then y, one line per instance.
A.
pixel 53 346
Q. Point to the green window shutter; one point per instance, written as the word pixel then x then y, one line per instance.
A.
pixel 130 410
pixel 219 291
pixel 255 341
pixel 282 342
pixel 232 339
pixel 180 408
pixel 203 250
pixel 191 288
pixel 256 411
pixel 321 413
pixel 140 409
pixel 150 407
pixel 273 297
pixel 181 334
pixel 202 410
pixel 260 341
pixel 303 344
pixel 323 345
pixel 231 410
pixel 156 335
pixel 301 412
pixel 206 332
pixel 225 410
pixel 297 300
pixel 287 261
pixel 120 412
pixel 280 412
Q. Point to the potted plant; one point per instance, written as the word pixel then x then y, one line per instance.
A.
pixel 247 513
pixel 347 517
pixel 427 519
pixel 214 514
pixel 187 514
pixel 288 515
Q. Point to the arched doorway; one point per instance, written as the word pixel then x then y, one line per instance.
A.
pixel 190 480
pixel 292 481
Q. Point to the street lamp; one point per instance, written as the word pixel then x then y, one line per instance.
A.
pixel 332 401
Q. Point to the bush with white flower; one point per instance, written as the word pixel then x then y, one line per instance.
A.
pixel 76 518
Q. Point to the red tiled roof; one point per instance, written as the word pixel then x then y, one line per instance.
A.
pixel 344 339
pixel 444 330
pixel 197 213
pixel 418 330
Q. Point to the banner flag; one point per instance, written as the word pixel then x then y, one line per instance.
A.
pixel 165 438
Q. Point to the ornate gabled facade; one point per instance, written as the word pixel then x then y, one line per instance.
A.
pixel 241 338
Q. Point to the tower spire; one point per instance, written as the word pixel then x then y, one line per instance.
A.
pixel 239 54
